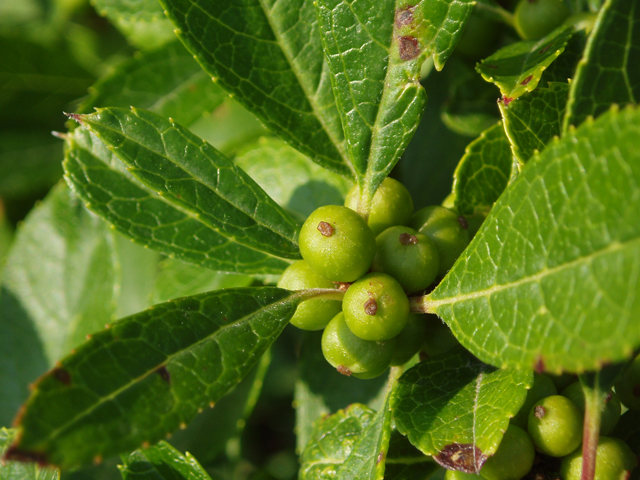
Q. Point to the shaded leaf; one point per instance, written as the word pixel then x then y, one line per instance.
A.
pixel 332 441
pixel 375 52
pixel 99 179
pixel 563 68
pixel 457 408
pixel 161 462
pixel 517 68
pixel 19 470
pixel 483 172
pixel 406 462
pixel 290 178
pixel 571 215
pixel 58 286
pixel 609 71
pixel 320 390
pixel 533 120
pixel 149 373
pixel 141 21
pixel 272 63
pixel 167 81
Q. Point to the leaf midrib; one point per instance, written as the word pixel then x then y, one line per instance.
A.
pixel 433 305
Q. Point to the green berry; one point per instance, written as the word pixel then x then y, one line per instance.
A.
pixel 316 313
pixel 391 205
pixel 534 19
pixel 555 426
pixel 513 459
pixel 376 307
pixel 614 461
pixel 351 355
pixel 628 386
pixel 458 475
pixel 408 256
pixel 612 410
pixel 542 387
pixel 448 231
pixel 410 339
pixel 337 243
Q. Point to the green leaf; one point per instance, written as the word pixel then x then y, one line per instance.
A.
pixel 483 172
pixel 375 52
pixel 272 62
pixel 320 390
pixel 609 71
pixel 533 120
pixel 19 470
pixel 59 285
pixel 406 462
pixel 141 21
pixel 99 179
pixel 179 279
pixel 332 440
pixel 167 81
pixel 161 462
pixel 290 178
pixel 196 178
pixel 456 408
pixel 150 373
pixel 517 68
pixel 563 68
pixel 563 236
pixel 366 459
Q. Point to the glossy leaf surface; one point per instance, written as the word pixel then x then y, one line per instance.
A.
pixel 272 62
pixel 609 71
pixel 149 219
pixel 533 120
pixel 517 68
pixel 47 307
pixel 550 280
pixel 150 373
pixel 483 172
pixel 456 408
pixel 161 462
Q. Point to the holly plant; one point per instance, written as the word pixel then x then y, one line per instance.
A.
pixel 441 196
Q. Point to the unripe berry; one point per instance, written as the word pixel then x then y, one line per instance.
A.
pixel 614 461
pixel 555 426
pixel 542 387
pixel 534 19
pixel 612 407
pixel 513 459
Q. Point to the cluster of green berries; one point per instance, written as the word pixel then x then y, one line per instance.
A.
pixel 378 263
pixel 550 426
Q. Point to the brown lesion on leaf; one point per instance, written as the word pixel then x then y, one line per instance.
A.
pixel 506 100
pixel 404 17
pixel 526 80
pixel 14 454
pixel 164 373
pixel 464 457
pixel 408 47
pixel 544 49
pixel 61 375
pixel 380 458
pixel 539 366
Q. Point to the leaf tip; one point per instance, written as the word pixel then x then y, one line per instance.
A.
pixel 75 116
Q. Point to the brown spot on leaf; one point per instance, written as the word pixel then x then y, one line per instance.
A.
pixel 507 100
pixel 16 455
pixel 464 457
pixel 408 47
pixel 539 411
pixel 544 49
pixel 406 239
pixel 539 366
pixel 404 17
pixel 164 373
pixel 371 306
pixel 380 457
pixel 344 370
pixel 462 220
pixel 325 229
pixel 61 375
pixel 526 80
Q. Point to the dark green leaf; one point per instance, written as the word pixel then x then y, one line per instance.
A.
pixel 565 237
pixel 18 470
pixel 517 68
pixel 167 81
pixel 150 373
pixel 406 462
pixel 375 52
pixel 98 178
pixel 332 440
pixel 564 67
pixel 290 178
pixel 456 408
pixel 273 64
pixel 321 390
pixel 533 120
pixel 609 72
pixel 161 462
pixel 141 21
pixel 628 429
pixel 483 172
pixel 59 285
pixel 196 178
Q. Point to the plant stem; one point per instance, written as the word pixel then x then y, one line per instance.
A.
pixel 594 404
pixel 418 304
